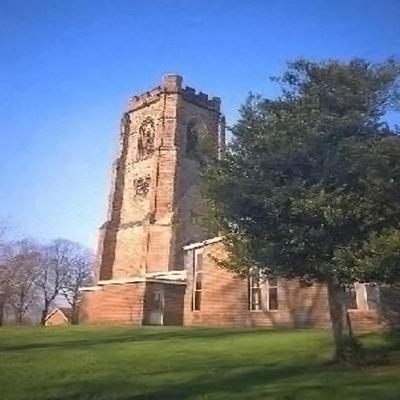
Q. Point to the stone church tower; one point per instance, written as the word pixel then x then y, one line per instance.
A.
pixel 154 202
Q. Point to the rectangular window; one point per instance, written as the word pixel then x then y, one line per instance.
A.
pixel 272 294
pixel 255 293
pixel 351 298
pixel 363 296
pixel 197 280
pixel 372 296
pixel 263 294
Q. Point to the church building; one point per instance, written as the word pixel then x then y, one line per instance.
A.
pixel 156 263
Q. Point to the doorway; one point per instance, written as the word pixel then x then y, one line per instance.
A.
pixel 156 307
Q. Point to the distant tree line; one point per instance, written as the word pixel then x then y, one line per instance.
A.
pixel 34 278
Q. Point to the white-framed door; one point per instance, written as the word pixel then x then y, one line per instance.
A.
pixel 157 303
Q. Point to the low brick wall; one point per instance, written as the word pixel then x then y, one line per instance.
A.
pixel 114 303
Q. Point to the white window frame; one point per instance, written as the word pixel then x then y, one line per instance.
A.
pixel 274 287
pixel 362 297
pixel 356 290
pixel 257 286
pixel 196 306
pixel 264 287
pixel 378 302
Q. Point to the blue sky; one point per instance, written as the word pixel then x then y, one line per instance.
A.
pixel 68 68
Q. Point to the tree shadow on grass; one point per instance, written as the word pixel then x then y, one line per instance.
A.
pixel 136 335
pixel 385 352
pixel 269 381
pixel 227 382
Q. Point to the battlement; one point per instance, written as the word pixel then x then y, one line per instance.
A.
pixel 172 83
pixel 200 98
pixel 145 98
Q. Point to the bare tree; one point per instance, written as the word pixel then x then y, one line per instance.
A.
pixel 25 264
pixel 5 289
pixel 5 272
pixel 53 274
pixel 80 271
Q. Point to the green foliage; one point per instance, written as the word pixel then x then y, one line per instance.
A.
pixel 170 363
pixel 310 185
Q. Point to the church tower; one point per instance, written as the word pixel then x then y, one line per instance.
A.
pixel 154 204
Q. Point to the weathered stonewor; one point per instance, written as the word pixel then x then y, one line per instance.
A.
pixel 146 232
pixel 154 199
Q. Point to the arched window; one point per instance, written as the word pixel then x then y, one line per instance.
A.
pixel 196 134
pixel 146 138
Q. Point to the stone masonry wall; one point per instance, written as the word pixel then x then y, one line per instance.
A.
pixel 146 233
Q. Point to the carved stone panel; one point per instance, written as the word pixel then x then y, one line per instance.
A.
pixel 142 186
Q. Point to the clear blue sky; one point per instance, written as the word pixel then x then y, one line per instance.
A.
pixel 68 67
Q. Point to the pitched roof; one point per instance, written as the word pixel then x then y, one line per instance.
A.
pixel 66 311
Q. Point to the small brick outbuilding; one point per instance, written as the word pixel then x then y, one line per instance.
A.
pixel 59 316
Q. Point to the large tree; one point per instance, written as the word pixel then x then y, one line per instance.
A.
pixel 310 184
pixel 24 262
pixel 56 261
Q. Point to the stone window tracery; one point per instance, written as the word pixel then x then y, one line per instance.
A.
pixel 146 139
pixel 199 144
pixel 191 140
pixel 142 186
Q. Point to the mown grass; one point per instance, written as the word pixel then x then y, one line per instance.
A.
pixel 187 363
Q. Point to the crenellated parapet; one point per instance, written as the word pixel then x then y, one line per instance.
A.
pixel 145 99
pixel 173 84
pixel 201 99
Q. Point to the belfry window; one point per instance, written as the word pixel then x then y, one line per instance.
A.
pixel 197 280
pixel 191 141
pixel 145 145
pixel 198 144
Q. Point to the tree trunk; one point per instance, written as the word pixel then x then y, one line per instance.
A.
pixel 2 306
pixel 75 309
pixel 342 333
pixel 45 311
pixel 75 316
pixel 19 317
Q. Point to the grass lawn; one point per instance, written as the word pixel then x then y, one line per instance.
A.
pixel 188 363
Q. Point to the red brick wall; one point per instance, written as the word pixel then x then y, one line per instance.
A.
pixel 225 301
pixel 114 303
pixel 130 303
